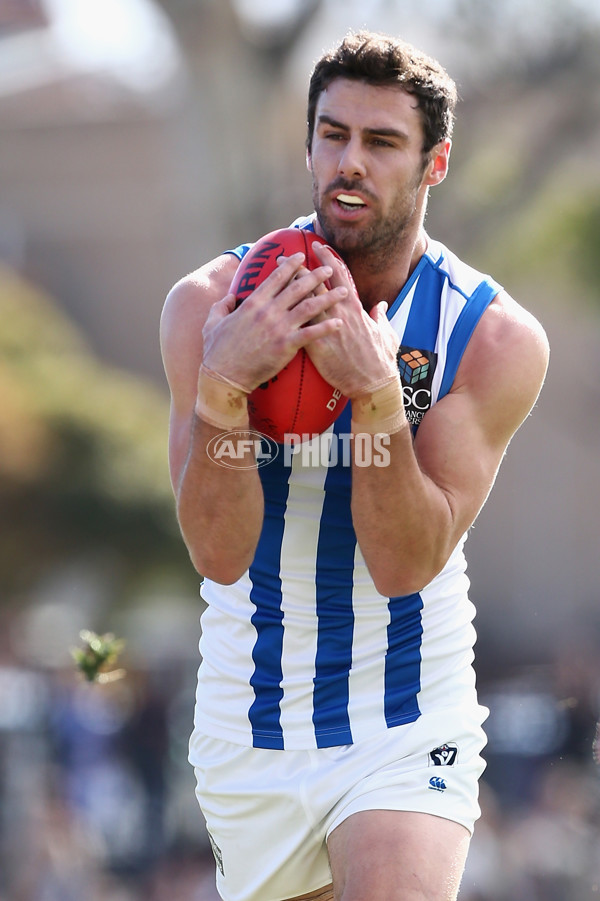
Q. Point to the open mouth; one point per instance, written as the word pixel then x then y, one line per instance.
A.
pixel 350 202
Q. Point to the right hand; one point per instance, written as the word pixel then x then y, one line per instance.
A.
pixel 363 352
pixel 252 343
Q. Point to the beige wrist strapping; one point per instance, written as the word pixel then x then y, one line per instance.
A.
pixel 379 409
pixel 221 402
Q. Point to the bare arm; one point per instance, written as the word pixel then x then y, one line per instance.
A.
pixel 220 510
pixel 213 504
pixel 410 515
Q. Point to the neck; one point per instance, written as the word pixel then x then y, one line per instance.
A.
pixel 378 279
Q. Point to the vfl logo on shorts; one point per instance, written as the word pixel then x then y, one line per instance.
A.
pixel 416 369
pixel 445 755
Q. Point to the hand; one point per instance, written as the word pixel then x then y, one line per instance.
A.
pixel 361 353
pixel 252 343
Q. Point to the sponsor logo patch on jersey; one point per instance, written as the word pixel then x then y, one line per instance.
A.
pixel 445 755
pixel 416 369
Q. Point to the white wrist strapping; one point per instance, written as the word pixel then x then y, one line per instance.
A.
pixel 220 401
pixel 379 408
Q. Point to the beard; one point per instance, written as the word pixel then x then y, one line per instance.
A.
pixel 375 243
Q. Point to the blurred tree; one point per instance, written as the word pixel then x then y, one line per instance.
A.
pixel 525 35
pixel 83 452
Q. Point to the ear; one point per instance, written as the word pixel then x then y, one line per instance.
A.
pixel 437 168
pixel 308 161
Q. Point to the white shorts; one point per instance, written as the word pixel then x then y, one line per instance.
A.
pixel 269 813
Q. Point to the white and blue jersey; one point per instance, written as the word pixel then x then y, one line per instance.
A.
pixel 302 651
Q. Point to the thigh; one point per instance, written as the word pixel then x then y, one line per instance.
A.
pixel 395 855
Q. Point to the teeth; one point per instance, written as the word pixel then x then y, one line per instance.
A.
pixel 348 198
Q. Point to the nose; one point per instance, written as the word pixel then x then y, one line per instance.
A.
pixel 351 163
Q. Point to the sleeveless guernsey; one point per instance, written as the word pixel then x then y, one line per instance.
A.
pixel 302 651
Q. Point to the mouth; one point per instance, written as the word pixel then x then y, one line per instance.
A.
pixel 350 202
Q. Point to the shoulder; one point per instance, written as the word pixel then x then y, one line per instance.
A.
pixel 185 310
pixel 191 298
pixel 189 301
pixel 506 360
pixel 509 332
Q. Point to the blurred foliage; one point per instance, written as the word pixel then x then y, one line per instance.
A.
pixel 556 241
pixel 83 451
pixel 524 35
pixel 522 201
pixel 96 660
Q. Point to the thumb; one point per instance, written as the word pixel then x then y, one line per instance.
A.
pixel 378 313
pixel 225 306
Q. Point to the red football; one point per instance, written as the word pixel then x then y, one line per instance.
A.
pixel 297 401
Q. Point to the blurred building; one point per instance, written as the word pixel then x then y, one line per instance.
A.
pixel 88 96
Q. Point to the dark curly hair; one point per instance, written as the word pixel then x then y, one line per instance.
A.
pixel 380 59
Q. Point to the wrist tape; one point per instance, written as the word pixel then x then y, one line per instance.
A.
pixel 379 409
pixel 221 402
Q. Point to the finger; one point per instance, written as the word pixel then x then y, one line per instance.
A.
pixel 303 270
pixel 315 330
pixel 220 310
pixel 283 259
pixel 312 309
pixel 341 273
pixel 320 289
pixel 379 312
pixel 227 303
pixel 288 274
pixel 311 283
pixel 286 270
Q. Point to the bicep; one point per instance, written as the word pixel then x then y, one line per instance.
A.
pixel 184 314
pixel 456 452
pixel 463 438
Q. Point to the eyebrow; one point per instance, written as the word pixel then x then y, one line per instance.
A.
pixel 373 132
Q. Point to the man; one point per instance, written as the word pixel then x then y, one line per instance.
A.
pixel 337 733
